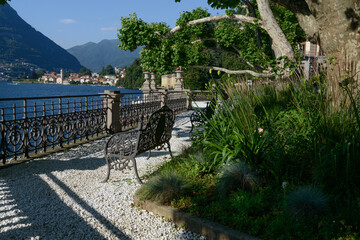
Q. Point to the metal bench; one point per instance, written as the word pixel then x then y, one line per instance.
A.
pixel 122 148
pixel 199 117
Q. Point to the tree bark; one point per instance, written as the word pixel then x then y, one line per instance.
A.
pixel 280 44
pixel 339 28
pixel 333 24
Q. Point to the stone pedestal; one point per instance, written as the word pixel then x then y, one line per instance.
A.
pixel 112 102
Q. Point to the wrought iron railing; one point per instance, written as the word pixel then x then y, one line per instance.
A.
pixel 30 125
pixel 177 101
pixel 133 106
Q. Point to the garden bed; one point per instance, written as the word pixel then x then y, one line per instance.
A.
pixel 275 164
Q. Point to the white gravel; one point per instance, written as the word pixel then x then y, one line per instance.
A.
pixel 60 196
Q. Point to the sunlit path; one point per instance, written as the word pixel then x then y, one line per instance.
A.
pixel 60 196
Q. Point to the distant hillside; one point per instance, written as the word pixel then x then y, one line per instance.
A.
pixel 97 55
pixel 21 42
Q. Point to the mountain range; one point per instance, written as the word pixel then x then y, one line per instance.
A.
pixel 20 42
pixel 94 56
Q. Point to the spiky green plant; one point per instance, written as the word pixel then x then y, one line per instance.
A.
pixel 165 187
pixel 307 202
pixel 236 176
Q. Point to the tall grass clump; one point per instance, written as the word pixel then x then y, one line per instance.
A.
pixel 236 176
pixel 307 202
pixel 164 188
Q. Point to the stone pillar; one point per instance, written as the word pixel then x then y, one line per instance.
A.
pixel 152 83
pixel 112 102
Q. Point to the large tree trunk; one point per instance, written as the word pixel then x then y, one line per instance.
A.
pixel 333 24
pixel 339 28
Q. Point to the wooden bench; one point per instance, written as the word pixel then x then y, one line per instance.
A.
pixel 122 148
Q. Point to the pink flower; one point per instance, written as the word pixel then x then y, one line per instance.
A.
pixel 260 130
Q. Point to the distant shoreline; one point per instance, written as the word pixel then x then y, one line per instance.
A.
pixel 37 82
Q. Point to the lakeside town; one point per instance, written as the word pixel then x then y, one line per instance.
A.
pixel 77 78
pixel 109 76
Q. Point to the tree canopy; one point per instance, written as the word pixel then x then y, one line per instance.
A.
pixel 260 33
pixel 84 71
pixel 2 2
pixel 198 35
pixel 133 78
pixel 108 70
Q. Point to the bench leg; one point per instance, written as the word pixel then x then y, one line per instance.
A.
pixel 168 143
pixel 136 172
pixel 192 128
pixel 149 155
pixel 107 174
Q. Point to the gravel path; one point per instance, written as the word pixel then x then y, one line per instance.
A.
pixel 60 196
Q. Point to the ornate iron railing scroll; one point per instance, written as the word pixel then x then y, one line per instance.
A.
pixel 32 125
pixel 176 101
pixel 133 106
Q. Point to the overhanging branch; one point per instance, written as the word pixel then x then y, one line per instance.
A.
pixel 238 54
pixel 237 72
pixel 237 17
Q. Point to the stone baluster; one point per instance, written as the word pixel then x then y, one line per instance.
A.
pixel 153 84
pixel 179 85
pixel 146 85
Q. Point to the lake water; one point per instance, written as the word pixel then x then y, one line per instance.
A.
pixel 20 90
pixel 25 90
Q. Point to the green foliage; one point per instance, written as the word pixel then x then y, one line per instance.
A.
pixel 164 188
pixel 307 202
pixel 108 70
pixel 284 133
pixel 289 24
pixel 84 71
pixel 194 44
pixel 33 75
pixel 134 76
pixel 196 78
pixel 236 176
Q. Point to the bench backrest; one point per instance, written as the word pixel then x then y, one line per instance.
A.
pixel 157 131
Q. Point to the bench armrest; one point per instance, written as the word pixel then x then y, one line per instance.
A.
pixel 121 148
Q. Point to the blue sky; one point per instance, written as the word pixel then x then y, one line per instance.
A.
pixel 75 22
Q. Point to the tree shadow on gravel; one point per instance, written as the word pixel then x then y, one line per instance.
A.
pixel 35 202
pixel 39 211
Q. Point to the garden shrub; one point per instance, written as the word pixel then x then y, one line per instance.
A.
pixel 165 187
pixel 236 176
pixel 307 202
